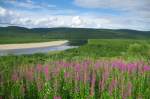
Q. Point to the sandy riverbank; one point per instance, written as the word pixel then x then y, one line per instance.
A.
pixel 31 45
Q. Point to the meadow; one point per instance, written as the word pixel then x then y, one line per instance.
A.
pixel 100 69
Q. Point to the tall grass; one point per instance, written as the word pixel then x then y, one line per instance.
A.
pixel 101 69
pixel 82 79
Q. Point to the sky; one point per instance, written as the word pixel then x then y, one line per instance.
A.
pixel 108 14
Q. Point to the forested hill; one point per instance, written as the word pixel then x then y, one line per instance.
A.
pixel 71 33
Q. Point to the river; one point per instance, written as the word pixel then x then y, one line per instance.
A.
pixel 35 50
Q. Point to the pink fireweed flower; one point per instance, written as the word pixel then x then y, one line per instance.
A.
pixel 77 76
pixel 128 91
pixel 56 71
pixel 112 86
pixel 101 85
pixel 39 68
pixel 132 67
pixel 66 64
pixel 57 97
pixel 122 66
pixel 30 74
pixel 105 75
pixel 46 72
pixel 39 84
pixel 93 84
pixel 66 74
pixel 77 67
pixel 146 68
pixel 97 65
pixel 85 76
pixel 85 66
pixel 15 76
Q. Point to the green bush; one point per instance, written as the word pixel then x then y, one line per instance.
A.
pixel 139 49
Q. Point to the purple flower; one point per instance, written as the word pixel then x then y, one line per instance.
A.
pixel 57 97
pixel 15 77
pixel 77 67
pixel 112 86
pixel 132 67
pixel 129 88
pixel 127 92
pixel 39 68
pixel 46 72
pixel 66 64
pixel 66 75
pixel 30 74
pixel 101 85
pixel 92 84
pixel 146 68
pixel 97 65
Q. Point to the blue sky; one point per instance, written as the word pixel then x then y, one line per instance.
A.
pixel 112 14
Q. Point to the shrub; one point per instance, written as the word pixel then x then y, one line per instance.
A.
pixel 139 49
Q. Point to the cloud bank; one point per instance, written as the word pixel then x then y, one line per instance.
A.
pixel 117 14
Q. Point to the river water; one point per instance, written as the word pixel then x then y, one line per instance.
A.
pixel 35 50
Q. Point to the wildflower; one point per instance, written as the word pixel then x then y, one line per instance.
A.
pixel 112 86
pixel 15 77
pixel 66 75
pixel 77 67
pixel 66 64
pixel 30 74
pixel 129 89
pixel 46 72
pixel 85 78
pixel 132 67
pixel 77 76
pixel 39 68
pixel 97 65
pixel 39 83
pixel 105 75
pixel 57 97
pixel 122 66
pixel 93 84
pixel 101 85
pixel 128 92
pixel 146 68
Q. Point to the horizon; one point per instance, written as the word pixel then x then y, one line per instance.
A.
pixel 73 28
pixel 112 14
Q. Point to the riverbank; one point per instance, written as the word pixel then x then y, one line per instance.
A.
pixel 31 45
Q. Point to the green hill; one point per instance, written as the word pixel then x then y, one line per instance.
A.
pixel 14 34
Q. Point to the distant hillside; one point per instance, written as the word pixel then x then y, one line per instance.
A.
pixel 20 33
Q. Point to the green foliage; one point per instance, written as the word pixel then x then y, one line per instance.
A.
pixel 105 49
pixel 139 49
pixel 21 35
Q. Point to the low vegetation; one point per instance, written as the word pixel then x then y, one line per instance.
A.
pixel 102 68
pixel 80 79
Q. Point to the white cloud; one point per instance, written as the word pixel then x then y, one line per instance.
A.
pixel 133 7
pixel 116 4
pixel 32 20
pixel 2 11
pixel 77 21
pixel 134 13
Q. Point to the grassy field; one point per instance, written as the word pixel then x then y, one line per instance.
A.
pixel 16 40
pixel 101 69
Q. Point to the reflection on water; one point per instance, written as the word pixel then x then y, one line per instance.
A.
pixel 35 50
